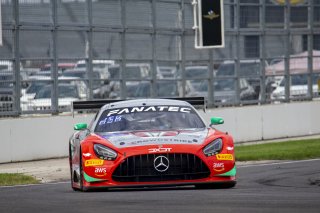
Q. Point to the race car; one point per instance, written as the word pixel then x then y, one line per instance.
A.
pixel 147 143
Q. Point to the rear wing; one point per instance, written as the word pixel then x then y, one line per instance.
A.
pixel 97 104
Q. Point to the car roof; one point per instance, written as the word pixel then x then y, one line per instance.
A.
pixel 131 65
pixel 145 102
pixel 97 62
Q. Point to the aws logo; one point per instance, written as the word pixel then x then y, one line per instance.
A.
pixel 218 167
pixel 100 172
pixel 292 2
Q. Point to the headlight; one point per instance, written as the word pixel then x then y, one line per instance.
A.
pixel 104 152
pixel 213 148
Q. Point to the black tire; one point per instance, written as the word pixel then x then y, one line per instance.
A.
pixel 80 171
pixel 71 172
pixel 226 185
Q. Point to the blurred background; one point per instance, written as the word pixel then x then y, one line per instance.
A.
pixel 56 52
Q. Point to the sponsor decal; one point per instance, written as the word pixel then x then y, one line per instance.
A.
pixel 163 137
pixel 86 155
pixel 93 162
pixel 110 120
pixel 128 110
pixel 161 140
pixel 229 148
pixel 224 156
pixel 100 171
pixel 218 167
pixel 154 150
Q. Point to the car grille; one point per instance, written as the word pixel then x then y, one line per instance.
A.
pixel 140 168
pixel 6 102
pixel 6 98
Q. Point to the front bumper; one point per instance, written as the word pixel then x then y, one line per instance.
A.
pixel 215 182
pixel 130 173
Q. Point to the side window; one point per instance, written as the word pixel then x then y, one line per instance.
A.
pixel 95 118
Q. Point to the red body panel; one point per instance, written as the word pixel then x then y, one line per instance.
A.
pixel 100 171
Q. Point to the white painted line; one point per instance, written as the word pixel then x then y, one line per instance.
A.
pixel 278 163
pixel 38 184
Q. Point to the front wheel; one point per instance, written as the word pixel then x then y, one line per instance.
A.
pixel 81 172
pixel 71 170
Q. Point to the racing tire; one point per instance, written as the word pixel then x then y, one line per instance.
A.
pixel 81 188
pixel 71 175
pixel 225 185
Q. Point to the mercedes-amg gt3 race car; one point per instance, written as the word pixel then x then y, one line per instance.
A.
pixel 149 142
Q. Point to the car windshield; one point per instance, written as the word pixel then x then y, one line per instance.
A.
pixel 196 72
pixel 219 85
pixel 65 91
pixel 133 72
pixel 83 75
pixel 100 65
pixel 148 118
pixel 164 89
pixel 167 89
pixel 300 80
pixel 131 89
pixel 224 85
pixel 74 74
pixel 246 69
pixel 35 87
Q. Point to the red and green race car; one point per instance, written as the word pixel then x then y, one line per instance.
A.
pixel 149 142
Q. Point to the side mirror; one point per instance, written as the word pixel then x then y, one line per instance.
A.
pixel 80 126
pixel 216 121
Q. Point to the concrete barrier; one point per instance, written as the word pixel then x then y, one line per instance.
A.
pixel 265 122
pixel 33 138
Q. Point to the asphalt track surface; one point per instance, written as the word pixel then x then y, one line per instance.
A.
pixel 279 187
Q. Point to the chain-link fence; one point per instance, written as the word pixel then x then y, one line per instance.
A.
pixel 55 52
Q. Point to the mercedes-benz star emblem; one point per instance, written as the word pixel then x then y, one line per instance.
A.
pixel 161 163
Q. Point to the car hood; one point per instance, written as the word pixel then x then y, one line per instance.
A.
pixel 27 97
pixel 142 138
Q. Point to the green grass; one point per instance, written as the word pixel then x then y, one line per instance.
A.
pixel 16 179
pixel 289 150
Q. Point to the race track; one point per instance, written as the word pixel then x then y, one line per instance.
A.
pixel 282 187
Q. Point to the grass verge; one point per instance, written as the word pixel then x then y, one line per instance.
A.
pixel 16 179
pixel 289 150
